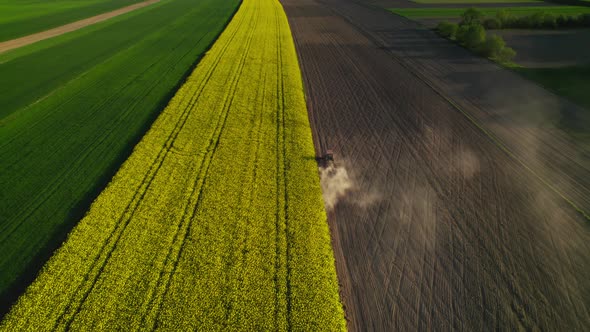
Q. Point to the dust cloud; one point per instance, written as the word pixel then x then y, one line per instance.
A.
pixel 467 163
pixel 338 184
pixel 335 184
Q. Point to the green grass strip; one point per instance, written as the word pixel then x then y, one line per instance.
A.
pixel 572 83
pixel 491 11
pixel 216 221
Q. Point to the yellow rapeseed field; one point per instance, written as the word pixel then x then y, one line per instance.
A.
pixel 216 221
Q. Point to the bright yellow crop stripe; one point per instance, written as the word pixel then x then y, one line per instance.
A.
pixel 216 221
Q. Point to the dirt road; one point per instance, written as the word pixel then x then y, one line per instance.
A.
pixel 30 39
pixel 443 227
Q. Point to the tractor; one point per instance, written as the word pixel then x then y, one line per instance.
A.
pixel 326 159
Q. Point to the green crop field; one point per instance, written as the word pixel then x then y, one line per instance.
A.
pixel 20 18
pixel 488 11
pixel 572 83
pixel 216 221
pixel 73 108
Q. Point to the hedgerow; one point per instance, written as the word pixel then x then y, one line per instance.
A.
pixel 471 34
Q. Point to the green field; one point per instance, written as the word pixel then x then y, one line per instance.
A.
pixel 472 1
pixel 72 110
pixel 216 221
pixel 20 18
pixel 572 83
pixel 488 11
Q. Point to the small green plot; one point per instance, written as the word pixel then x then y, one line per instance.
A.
pixel 570 82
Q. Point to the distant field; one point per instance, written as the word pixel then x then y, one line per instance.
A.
pixel 216 221
pixel 21 18
pixel 570 82
pixel 489 11
pixel 73 108
pixel 473 1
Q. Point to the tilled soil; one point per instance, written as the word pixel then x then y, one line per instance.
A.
pixel 30 39
pixel 548 48
pixel 538 48
pixel 518 113
pixel 456 220
pixel 411 4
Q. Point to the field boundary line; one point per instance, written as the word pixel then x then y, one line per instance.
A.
pixel 12 44
pixel 282 178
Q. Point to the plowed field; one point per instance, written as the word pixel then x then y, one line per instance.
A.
pixel 454 219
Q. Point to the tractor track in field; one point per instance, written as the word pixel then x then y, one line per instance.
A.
pixel 471 224
pixel 203 173
pixel 12 44
pixel 282 196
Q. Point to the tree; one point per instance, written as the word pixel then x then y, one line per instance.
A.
pixel 494 46
pixel 447 29
pixel 472 36
pixel 492 23
pixel 471 16
pixel 584 20
pixel 503 16
pixel 506 54
pixel 550 21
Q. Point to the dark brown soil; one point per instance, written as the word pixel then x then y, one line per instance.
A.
pixel 539 48
pixel 447 228
pixel 411 4
pixel 548 48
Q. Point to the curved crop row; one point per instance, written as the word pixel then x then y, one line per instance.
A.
pixel 216 221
